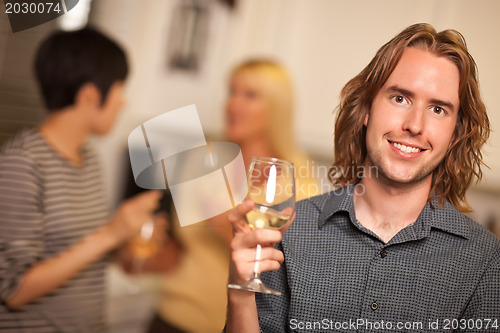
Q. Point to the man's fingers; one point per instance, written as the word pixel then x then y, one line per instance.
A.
pixel 149 200
pixel 269 265
pixel 240 211
pixel 258 236
pixel 237 216
pixel 263 236
pixel 267 253
pixel 244 262
pixel 244 243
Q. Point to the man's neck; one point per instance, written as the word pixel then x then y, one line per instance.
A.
pixel 66 132
pixel 386 208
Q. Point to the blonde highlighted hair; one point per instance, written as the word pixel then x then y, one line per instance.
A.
pixel 462 163
pixel 276 87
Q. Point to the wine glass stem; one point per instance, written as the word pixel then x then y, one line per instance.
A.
pixel 137 264
pixel 256 270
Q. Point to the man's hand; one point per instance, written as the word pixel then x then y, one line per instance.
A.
pixel 242 310
pixel 131 215
pixel 166 257
pixel 243 246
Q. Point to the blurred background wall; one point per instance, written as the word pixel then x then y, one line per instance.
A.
pixel 181 52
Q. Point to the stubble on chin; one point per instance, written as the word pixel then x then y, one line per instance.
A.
pixel 376 160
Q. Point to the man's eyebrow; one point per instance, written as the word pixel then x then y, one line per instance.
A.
pixel 405 92
pixel 444 104
pixel 396 89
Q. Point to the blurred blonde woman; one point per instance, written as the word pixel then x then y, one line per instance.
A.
pixel 259 119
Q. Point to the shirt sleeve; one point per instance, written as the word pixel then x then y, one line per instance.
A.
pixel 485 302
pixel 21 228
pixel 272 309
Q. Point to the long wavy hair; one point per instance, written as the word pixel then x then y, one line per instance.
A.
pixel 462 163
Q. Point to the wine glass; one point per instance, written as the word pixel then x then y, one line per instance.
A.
pixel 271 186
pixel 145 244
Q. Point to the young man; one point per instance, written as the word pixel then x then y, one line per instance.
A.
pixel 54 223
pixel 389 250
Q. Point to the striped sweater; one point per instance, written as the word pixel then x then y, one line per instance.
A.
pixel 46 205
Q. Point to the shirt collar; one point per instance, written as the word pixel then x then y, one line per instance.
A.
pixel 340 200
pixel 447 219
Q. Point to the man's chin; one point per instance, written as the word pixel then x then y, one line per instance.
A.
pixel 402 179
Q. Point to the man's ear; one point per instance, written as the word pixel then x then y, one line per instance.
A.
pixel 367 116
pixel 88 96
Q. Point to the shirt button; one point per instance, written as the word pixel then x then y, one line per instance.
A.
pixel 383 253
pixel 374 306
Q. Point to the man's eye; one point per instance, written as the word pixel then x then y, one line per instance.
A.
pixel 438 110
pixel 399 99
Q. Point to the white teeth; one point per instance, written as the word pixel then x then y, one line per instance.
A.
pixel 404 148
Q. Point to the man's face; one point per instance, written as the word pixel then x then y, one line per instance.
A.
pixel 109 110
pixel 412 118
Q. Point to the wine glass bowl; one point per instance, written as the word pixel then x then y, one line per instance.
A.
pixel 147 242
pixel 263 217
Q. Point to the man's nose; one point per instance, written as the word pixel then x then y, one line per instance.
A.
pixel 415 120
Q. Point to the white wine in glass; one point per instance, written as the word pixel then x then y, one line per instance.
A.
pixel 271 186
pixel 264 217
pixel 146 243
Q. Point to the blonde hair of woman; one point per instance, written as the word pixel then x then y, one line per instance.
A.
pixel 269 123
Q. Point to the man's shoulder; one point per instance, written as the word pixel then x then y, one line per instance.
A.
pixel 483 247
pixel 25 153
pixel 19 162
pixel 319 202
pixel 310 211
pixel 479 239
pixel 481 236
pixel 23 143
pixel 315 203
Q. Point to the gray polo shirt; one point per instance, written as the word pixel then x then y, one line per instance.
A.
pixel 441 272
